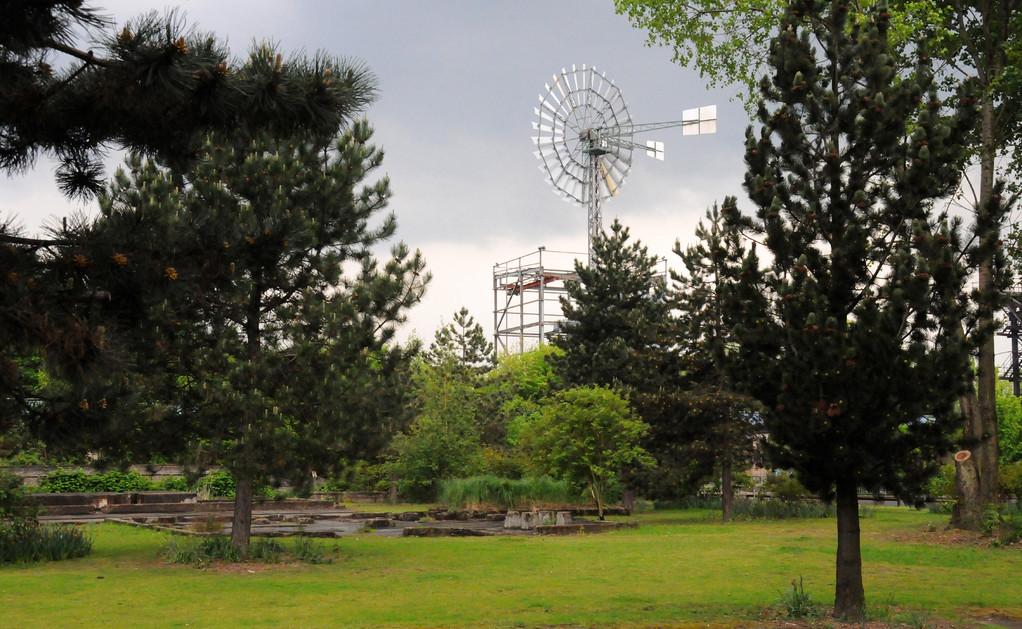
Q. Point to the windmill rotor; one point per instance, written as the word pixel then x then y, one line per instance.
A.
pixel 570 114
pixel 584 138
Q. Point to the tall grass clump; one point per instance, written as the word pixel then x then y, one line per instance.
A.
pixel 23 539
pixel 483 492
pixel 797 603
pixel 26 541
pixel 772 509
pixel 202 551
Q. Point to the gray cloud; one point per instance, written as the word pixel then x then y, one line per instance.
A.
pixel 459 80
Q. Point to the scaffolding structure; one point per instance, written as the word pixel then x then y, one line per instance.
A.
pixel 527 295
pixel 1013 331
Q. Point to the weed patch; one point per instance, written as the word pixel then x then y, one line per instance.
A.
pixel 797 603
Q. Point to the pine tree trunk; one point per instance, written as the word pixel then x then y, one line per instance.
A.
pixel 727 489
pixel 849 597
pixel 241 525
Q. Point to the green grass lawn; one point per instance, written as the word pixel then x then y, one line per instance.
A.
pixel 678 569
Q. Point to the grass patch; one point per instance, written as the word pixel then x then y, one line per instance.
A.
pixel 678 568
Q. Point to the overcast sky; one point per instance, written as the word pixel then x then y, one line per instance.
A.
pixel 458 83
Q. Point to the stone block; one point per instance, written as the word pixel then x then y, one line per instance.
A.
pixel 513 520
pixel 563 518
pixel 529 520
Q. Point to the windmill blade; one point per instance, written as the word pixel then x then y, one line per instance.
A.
pixel 608 177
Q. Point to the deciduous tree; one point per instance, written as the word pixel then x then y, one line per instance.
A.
pixel 587 436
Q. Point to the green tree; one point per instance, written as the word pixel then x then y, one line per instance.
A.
pixel 727 42
pixel 855 347
pixel 463 339
pixel 153 86
pixel 443 440
pixel 1009 424
pixel 617 334
pixel 280 320
pixel 156 87
pixel 723 418
pixel 587 436
pixel 978 42
pixel 976 39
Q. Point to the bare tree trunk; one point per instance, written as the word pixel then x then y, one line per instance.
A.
pixel 727 489
pixel 967 513
pixel 981 410
pixel 986 449
pixel 628 500
pixel 849 597
pixel 241 525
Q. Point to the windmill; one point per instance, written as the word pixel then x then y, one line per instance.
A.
pixel 584 138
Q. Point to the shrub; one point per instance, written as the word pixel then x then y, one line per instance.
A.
pixel 182 550
pixel 1009 480
pixel 218 484
pixel 14 504
pixel 119 481
pixel 481 492
pixel 1004 523
pixel 690 502
pixel 307 550
pixel 174 483
pixel 502 463
pixel 942 485
pixel 201 551
pixel 63 481
pixel 265 550
pixel 784 486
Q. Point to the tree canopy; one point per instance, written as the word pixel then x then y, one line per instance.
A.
pixel 154 86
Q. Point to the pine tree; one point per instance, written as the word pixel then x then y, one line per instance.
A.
pixel 854 344
pixel 282 323
pixel 462 341
pixel 154 86
pixel 722 420
pixel 616 334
